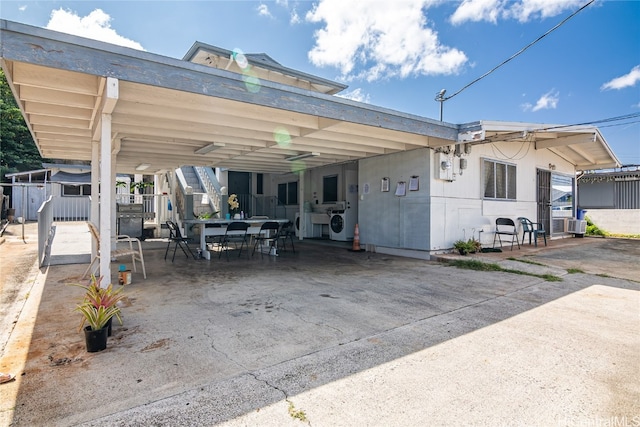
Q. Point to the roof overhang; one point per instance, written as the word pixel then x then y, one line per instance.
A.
pixel 261 66
pixel 168 113
pixel 583 146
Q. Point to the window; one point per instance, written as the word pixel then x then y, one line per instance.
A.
pixel 259 183
pixel 288 193
pixel 499 180
pixel 330 189
pixel 76 190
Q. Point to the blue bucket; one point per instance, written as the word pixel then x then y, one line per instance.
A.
pixel 581 213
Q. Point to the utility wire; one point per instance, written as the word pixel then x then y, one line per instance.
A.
pixel 607 120
pixel 517 53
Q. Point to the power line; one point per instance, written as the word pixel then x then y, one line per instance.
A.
pixel 440 96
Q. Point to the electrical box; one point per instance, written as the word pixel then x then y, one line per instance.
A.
pixel 444 167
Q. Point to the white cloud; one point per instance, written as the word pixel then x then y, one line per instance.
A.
pixel 295 18
pixel 477 10
pixel 263 10
pixel 355 95
pixel 523 10
pixel 526 10
pixel 22 8
pixel 96 25
pixel 629 79
pixel 548 101
pixel 380 39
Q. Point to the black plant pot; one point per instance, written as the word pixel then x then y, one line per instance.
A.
pixel 109 326
pixel 95 340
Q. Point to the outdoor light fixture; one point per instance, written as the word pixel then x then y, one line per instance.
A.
pixel 441 98
pixel 142 166
pixel 301 156
pixel 208 148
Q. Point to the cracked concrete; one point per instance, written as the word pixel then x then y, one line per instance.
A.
pixel 343 338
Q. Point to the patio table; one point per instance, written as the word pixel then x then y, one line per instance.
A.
pixel 254 228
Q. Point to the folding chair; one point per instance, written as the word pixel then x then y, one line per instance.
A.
pixel 268 233
pixel 176 237
pixel 129 250
pixel 236 232
pixel 506 227
pixel 287 232
pixel 532 228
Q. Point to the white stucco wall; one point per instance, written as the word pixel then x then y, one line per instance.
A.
pixel 458 210
pixel 616 221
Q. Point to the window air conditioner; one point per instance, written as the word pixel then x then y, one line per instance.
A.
pixel 576 226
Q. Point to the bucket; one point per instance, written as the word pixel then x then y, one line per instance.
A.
pixel 581 214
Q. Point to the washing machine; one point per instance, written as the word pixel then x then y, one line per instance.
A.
pixel 338 226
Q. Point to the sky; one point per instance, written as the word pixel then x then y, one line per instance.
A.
pixel 532 61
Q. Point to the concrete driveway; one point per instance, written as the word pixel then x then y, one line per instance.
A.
pixel 328 337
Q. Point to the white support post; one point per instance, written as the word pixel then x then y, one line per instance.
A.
pixel 107 177
pixel 303 214
pixel 106 187
pixel 95 191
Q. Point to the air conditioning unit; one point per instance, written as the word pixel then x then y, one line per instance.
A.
pixel 576 226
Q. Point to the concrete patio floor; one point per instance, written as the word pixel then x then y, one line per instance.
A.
pixel 329 337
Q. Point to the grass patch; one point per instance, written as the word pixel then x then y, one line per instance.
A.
pixel 483 266
pixel 604 275
pixel 526 261
pixel 574 270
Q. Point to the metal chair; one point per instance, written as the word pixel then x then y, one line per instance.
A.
pixel 176 237
pixel 506 227
pixel 287 232
pixel 236 232
pixel 268 233
pixel 535 229
pixel 134 251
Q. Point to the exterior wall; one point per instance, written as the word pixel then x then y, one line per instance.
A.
pixel 27 199
pixel 612 200
pixel 616 221
pixel 458 210
pixel 387 221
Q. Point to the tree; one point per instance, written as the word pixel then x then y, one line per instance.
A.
pixel 18 151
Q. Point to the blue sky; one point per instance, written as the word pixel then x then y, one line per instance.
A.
pixel 399 54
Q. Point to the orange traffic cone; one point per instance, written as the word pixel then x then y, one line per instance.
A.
pixel 356 240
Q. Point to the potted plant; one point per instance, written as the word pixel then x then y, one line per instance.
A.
pixel 98 308
pixel 461 246
pixel 465 247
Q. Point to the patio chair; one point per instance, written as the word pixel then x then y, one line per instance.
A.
pixel 534 229
pixel 236 232
pixel 132 247
pixel 175 236
pixel 506 227
pixel 268 233
pixel 287 232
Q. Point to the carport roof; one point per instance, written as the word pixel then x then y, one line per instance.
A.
pixel 167 112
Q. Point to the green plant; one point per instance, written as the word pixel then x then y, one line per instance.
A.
pixel 97 318
pixel 466 247
pixel 99 304
pixel 207 215
pixel 593 230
